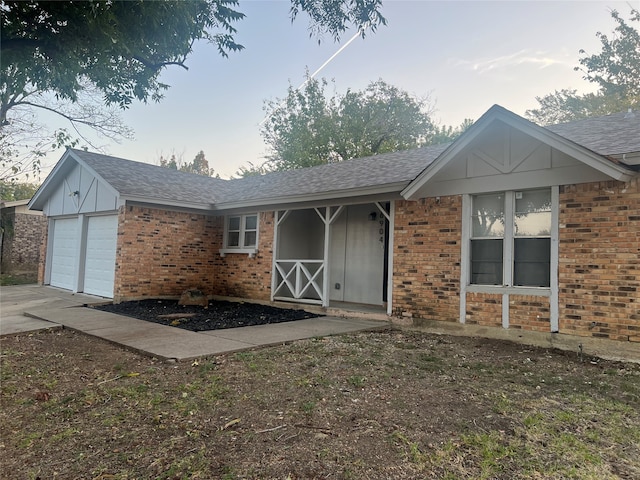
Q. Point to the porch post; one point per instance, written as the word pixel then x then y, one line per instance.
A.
pixel 391 219
pixel 325 272
pixel 274 270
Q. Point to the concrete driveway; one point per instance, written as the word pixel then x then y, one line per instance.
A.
pixel 26 308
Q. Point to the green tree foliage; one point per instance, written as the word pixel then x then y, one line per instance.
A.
pixel 74 59
pixel 307 128
pixel 447 133
pixel 10 191
pixel 616 70
pixel 566 105
pixel 199 165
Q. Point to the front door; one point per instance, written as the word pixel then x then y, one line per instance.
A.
pixel 357 255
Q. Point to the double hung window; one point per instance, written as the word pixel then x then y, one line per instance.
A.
pixel 241 234
pixel 510 238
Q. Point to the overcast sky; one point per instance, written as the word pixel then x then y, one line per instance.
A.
pixel 467 56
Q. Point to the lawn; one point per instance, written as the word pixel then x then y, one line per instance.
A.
pixel 379 405
pixel 18 278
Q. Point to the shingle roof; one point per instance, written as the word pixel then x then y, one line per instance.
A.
pixel 359 173
pixel 138 179
pixel 609 135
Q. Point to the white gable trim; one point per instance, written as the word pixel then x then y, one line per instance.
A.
pixel 418 187
pixel 39 200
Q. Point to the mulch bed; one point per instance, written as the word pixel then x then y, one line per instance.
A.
pixel 218 315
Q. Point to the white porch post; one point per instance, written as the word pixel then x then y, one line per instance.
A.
pixel 325 273
pixel 391 219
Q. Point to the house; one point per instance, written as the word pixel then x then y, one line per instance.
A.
pixel 21 232
pixel 513 225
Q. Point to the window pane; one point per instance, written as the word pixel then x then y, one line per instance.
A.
pixel 233 239
pixel 488 215
pixel 486 262
pixel 532 260
pixel 234 223
pixel 251 222
pixel 533 213
pixel 249 239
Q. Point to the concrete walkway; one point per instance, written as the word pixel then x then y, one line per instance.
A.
pixel 31 307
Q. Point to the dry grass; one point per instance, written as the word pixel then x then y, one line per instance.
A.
pixel 388 404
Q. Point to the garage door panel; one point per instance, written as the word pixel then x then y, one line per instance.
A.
pixel 100 255
pixel 64 247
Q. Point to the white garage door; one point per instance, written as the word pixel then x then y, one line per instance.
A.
pixel 63 260
pixel 100 263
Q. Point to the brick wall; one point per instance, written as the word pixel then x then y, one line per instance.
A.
pixel 599 271
pixel 529 313
pixel 238 275
pixel 426 258
pixel 43 251
pixel 484 309
pixel 21 241
pixel 599 265
pixel 163 253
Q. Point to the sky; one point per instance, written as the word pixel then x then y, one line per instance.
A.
pixel 464 55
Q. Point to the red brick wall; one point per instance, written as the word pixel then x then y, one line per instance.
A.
pixel 238 275
pixel 43 251
pixel 21 242
pixel 162 253
pixel 599 271
pixel 529 312
pixel 426 258
pixel 599 265
pixel 484 309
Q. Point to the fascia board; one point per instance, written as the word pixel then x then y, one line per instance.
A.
pixel 160 202
pixel 394 188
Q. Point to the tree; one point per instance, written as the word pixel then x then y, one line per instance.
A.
pixel 566 106
pixel 447 133
pixel 616 70
pixel 199 165
pixel 57 51
pixel 10 191
pixel 307 128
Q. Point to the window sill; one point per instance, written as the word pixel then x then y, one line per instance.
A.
pixel 244 251
pixel 533 291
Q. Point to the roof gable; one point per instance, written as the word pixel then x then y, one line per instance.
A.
pixel 503 150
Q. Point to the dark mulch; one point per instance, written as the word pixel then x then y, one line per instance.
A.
pixel 219 314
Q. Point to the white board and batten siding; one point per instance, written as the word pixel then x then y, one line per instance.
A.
pixel 83 226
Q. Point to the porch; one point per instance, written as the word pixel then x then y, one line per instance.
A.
pixel 333 255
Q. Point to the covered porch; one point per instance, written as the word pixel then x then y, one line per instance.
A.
pixel 333 255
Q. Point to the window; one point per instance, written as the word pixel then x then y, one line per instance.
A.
pixel 241 232
pixel 510 239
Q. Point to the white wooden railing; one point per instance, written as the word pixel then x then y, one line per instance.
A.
pixel 301 280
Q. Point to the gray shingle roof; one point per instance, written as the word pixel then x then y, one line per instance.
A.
pixel 153 182
pixel 359 173
pixel 609 135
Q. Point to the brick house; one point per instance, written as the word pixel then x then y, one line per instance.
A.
pixel 513 225
pixel 21 232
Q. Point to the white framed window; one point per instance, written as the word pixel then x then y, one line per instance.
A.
pixel 510 239
pixel 240 234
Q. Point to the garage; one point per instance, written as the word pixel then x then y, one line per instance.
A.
pixel 80 254
pixel 100 256
pixel 63 253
